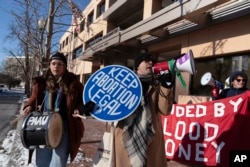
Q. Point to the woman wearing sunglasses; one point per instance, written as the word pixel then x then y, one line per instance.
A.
pixel 237 82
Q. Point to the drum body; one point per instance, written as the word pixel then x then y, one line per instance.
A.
pixel 42 130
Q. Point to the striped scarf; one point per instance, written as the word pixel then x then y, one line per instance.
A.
pixel 138 132
pixel 51 103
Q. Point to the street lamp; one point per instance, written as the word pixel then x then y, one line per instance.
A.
pixel 41 26
pixel 41 23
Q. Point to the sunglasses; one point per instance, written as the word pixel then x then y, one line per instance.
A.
pixel 238 80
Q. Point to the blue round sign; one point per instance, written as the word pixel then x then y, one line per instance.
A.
pixel 116 90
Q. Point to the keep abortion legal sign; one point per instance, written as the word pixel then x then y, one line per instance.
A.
pixel 116 90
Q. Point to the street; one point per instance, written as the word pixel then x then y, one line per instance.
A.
pixel 10 103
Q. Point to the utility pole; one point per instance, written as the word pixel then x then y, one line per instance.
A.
pixel 46 25
pixel 50 22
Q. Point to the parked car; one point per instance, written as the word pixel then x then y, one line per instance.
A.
pixel 1 87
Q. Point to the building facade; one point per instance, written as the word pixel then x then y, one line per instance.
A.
pixel 115 31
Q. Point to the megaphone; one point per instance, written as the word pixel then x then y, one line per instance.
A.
pixel 227 83
pixel 183 64
pixel 207 79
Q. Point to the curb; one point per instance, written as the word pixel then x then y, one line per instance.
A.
pixel 20 121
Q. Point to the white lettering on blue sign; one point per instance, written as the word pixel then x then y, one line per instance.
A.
pixel 116 90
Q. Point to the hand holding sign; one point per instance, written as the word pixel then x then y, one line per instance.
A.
pixel 116 90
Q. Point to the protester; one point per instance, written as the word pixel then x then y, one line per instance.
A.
pixel 58 87
pixel 237 85
pixel 139 138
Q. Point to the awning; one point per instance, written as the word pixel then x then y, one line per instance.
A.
pixel 110 39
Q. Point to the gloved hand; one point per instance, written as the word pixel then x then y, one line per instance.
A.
pixel 215 92
pixel 88 108
pixel 166 79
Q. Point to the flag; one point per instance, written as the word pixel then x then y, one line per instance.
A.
pixel 76 14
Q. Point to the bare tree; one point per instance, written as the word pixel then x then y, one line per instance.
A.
pixel 24 28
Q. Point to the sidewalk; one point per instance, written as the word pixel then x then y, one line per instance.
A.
pixel 93 133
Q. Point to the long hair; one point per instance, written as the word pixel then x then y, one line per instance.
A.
pixel 53 84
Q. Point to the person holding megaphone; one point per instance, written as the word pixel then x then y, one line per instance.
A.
pixel 139 138
pixel 237 85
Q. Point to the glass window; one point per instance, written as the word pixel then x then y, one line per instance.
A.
pixel 220 68
pixel 67 41
pixel 82 25
pixel 90 18
pixel 166 3
pixel 100 8
pixel 77 52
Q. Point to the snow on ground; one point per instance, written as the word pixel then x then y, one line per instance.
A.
pixel 14 154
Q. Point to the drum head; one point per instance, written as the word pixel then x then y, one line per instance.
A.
pixel 55 130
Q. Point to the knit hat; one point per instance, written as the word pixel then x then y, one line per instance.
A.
pixel 237 73
pixel 58 56
pixel 143 56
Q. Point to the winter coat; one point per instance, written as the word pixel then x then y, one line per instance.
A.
pixel 156 149
pixel 73 101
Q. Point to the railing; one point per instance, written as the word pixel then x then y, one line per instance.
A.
pixel 116 30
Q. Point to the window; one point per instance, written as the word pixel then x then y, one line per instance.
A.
pixel 165 3
pixel 82 25
pixel 100 8
pixel 94 40
pixel 75 33
pixel 77 52
pixel 221 68
pixel 67 41
pixel 90 18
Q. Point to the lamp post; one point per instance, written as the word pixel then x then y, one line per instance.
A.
pixel 41 26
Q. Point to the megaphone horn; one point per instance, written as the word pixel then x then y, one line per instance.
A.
pixel 184 63
pixel 207 79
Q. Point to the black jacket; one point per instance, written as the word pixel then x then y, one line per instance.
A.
pixel 231 91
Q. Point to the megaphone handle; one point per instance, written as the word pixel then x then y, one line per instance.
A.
pixel 179 76
pixel 171 64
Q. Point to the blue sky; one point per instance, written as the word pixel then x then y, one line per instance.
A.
pixel 6 18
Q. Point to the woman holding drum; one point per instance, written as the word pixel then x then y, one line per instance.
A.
pixel 57 91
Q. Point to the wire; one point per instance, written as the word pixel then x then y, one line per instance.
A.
pixel 158 90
